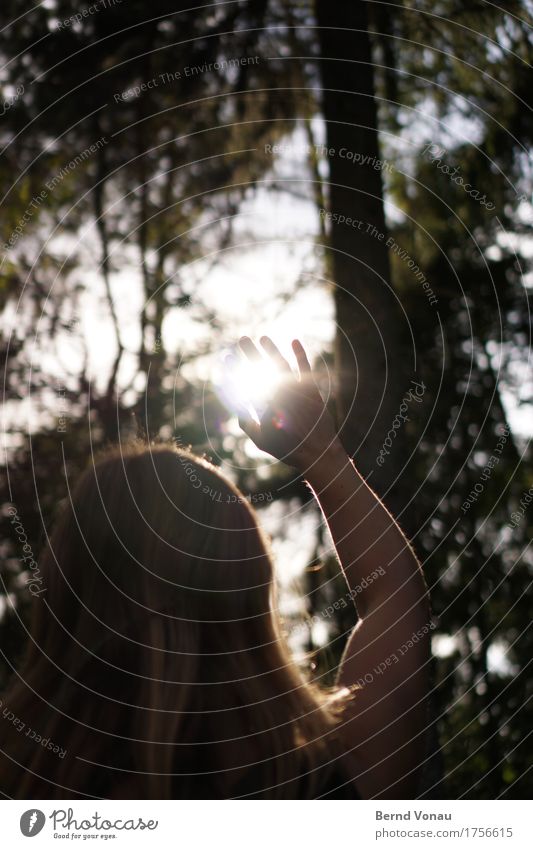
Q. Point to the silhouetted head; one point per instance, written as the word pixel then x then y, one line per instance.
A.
pixel 156 645
pixel 157 536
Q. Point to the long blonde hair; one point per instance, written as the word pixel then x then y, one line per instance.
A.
pixel 156 661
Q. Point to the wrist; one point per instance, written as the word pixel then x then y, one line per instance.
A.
pixel 328 465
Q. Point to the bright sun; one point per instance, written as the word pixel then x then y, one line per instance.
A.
pixel 248 384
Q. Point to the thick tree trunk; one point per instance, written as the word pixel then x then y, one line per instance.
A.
pixel 368 362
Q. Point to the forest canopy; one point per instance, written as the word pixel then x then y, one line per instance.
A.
pixel 173 177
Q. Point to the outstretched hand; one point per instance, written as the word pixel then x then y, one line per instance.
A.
pixel 296 426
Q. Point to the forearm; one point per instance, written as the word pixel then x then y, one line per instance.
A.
pixel 387 654
pixel 365 535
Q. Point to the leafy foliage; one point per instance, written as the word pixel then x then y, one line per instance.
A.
pixel 100 175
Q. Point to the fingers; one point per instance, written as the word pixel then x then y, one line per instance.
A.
pixel 274 353
pixel 304 366
pixel 252 352
pixel 248 348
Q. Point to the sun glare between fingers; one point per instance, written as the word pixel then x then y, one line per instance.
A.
pixel 247 384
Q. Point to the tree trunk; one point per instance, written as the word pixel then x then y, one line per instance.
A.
pixel 369 370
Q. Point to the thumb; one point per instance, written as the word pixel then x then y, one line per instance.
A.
pixel 248 424
pixel 251 428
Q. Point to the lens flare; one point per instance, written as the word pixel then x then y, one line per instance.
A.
pixel 249 385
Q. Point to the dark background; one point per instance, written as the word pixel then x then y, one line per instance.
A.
pixel 182 162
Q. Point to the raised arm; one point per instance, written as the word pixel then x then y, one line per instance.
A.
pixel 387 653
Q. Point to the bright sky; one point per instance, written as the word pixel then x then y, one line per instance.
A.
pixel 245 286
